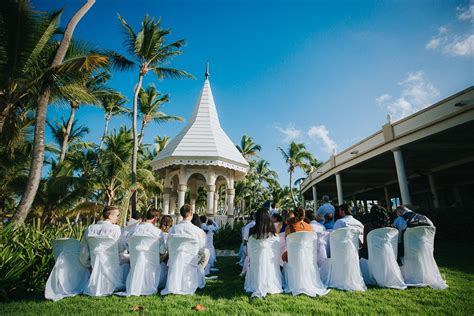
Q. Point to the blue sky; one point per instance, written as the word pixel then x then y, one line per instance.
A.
pixel 325 73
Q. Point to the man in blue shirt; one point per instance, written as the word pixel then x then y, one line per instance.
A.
pixel 325 213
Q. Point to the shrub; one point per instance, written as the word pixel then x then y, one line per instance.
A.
pixel 228 237
pixel 26 257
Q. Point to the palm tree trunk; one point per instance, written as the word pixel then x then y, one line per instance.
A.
pixel 142 130
pixel 135 140
pixel 108 116
pixel 34 176
pixel 68 132
pixel 291 190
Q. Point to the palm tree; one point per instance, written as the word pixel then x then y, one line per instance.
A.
pixel 160 144
pixel 296 157
pixel 34 176
pixel 94 83
pixel 248 147
pixel 149 102
pixel 112 103
pixel 61 134
pixel 150 53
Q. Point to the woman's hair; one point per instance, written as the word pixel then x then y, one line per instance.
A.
pixel 166 221
pixel 196 221
pixel 378 216
pixel 264 227
pixel 300 213
pixel 309 216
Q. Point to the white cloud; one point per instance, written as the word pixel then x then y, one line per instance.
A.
pixel 417 93
pixel 466 13
pixel 290 133
pixel 320 134
pixel 434 43
pixel 442 30
pixel 383 98
pixel 461 47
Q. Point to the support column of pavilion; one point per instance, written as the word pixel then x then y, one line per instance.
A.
pixel 401 175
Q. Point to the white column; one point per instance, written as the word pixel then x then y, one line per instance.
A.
pixel 181 194
pixel 210 200
pixel 173 203
pixel 387 198
pixel 434 192
pixel 230 206
pixel 340 195
pixel 402 177
pixel 216 203
pixel 315 197
pixel 166 200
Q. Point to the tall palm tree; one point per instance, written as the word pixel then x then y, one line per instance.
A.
pixel 149 106
pixel 264 173
pixel 150 52
pixel 248 147
pixel 34 176
pixel 296 156
pixel 94 83
pixel 112 104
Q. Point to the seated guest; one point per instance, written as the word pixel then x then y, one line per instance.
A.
pixel 310 219
pixel 204 254
pixel 406 218
pixel 277 221
pixel 127 231
pixel 325 213
pixel 286 217
pixel 177 282
pixel 378 218
pixel 263 227
pixel 105 228
pixel 165 225
pixel 148 228
pixel 347 220
pixel 208 224
pixel 296 224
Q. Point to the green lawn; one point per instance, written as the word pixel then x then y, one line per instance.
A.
pixel 226 296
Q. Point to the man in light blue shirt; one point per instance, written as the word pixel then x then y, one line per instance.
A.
pixel 325 213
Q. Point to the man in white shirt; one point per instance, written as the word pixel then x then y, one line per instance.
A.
pixel 317 227
pixel 325 213
pixel 105 228
pixel 127 231
pixel 148 227
pixel 347 220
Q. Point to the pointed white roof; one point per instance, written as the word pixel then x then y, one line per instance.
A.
pixel 202 141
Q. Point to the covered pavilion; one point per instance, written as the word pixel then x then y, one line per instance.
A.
pixel 201 155
pixel 425 160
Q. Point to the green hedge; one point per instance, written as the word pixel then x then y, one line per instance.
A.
pixel 228 237
pixel 26 257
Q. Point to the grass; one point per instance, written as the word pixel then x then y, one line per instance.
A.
pixel 226 296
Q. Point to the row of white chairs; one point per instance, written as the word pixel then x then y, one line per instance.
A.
pixel 343 270
pixel 144 276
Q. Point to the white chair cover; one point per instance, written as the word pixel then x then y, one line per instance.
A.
pixel 323 238
pixel 107 273
pixel 382 266
pixel 263 276
pixel 344 270
pixel 145 268
pixel 419 266
pixel 68 277
pixel 184 274
pixel 303 272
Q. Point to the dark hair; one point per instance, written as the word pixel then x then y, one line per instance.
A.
pixel 252 215
pixel 299 213
pixel 277 217
pixel 185 210
pixel 136 215
pixel 346 209
pixel 264 227
pixel 166 220
pixel 326 198
pixel 378 216
pixel 203 218
pixel 196 220
pixel 108 210
pixel 309 216
pixel 273 205
pixel 152 214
